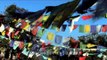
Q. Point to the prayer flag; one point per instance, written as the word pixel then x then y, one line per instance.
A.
pixel 50 36
pixel 25 52
pixel 64 27
pixel 21 45
pixel 87 17
pixel 16 44
pixel 58 39
pixel 2 27
pixel 81 28
pixel 93 28
pixel 87 28
pixel 98 28
pixel 104 28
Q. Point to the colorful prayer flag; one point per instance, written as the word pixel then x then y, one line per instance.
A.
pixel 21 45
pixel 2 27
pixel 58 39
pixel 34 30
pixel 104 28
pixel 40 32
pixel 81 28
pixel 82 58
pixel 87 17
pixel 93 28
pixel 16 44
pixel 64 27
pixel 23 24
pixel 25 52
pixel 50 36
pixel 90 45
pixel 98 28
pixel 87 28
pixel 11 43
pixel 82 46
pixel 75 26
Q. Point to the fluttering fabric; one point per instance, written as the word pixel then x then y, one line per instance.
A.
pixel 61 13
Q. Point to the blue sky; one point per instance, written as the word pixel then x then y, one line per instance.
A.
pixel 35 5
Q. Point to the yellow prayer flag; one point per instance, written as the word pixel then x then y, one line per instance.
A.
pixel 87 28
pixel 14 20
pixel 49 58
pixel 50 36
pixel 3 33
pixel 90 45
pixel 26 27
pixel 45 18
pixel 29 44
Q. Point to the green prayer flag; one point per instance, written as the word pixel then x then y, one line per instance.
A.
pixel 82 45
pixel 40 32
pixel 81 28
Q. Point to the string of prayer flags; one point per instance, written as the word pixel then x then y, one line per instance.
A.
pixel 84 28
pixel 90 28
pixel 104 28
pixel 87 17
pixel 50 36
pixel 58 39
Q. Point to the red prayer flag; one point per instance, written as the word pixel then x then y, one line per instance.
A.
pixel 86 17
pixel 104 28
pixel 34 30
pixel 12 35
pixel 82 58
pixel 23 24
pixel 21 45
pixel 75 26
